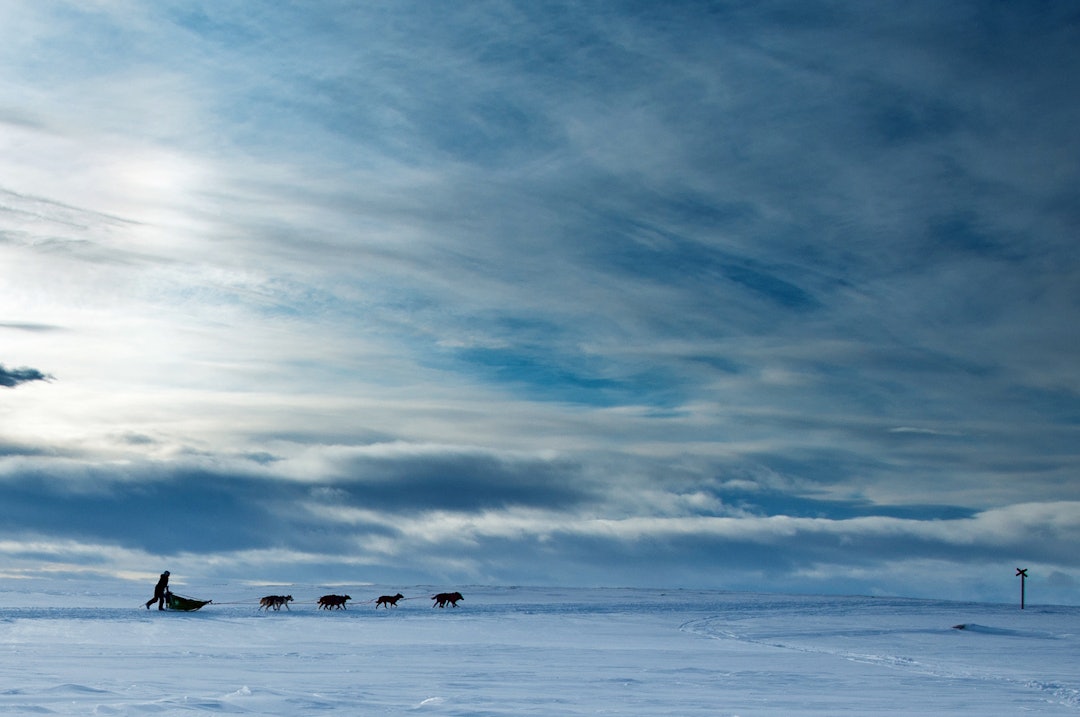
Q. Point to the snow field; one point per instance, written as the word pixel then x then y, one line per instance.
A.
pixel 536 651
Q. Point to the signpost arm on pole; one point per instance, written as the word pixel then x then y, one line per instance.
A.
pixel 1022 573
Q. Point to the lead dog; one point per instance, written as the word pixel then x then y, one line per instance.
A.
pixel 275 602
pixel 327 602
pixel 388 600
pixel 442 598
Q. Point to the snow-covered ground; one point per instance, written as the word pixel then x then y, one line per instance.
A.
pixel 534 651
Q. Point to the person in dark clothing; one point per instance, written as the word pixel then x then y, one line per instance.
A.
pixel 160 589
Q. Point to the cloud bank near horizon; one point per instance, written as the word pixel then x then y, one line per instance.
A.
pixel 769 297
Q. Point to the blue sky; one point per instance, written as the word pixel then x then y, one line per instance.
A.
pixel 763 296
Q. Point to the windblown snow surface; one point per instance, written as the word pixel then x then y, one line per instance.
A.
pixel 533 651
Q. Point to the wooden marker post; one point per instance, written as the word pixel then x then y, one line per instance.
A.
pixel 1022 573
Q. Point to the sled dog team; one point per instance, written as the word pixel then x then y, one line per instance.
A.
pixel 337 602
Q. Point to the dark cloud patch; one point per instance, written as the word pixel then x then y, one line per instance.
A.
pixel 704 558
pixel 54 212
pixel 216 27
pixel 9 378
pixel 672 555
pixel 767 284
pixel 181 510
pixel 541 360
pixel 782 503
pixel 460 482
pixel 654 255
pixel 16 118
pixel 137 439
pixel 962 234
pixel 10 448
pixel 487 130
pixel 897 117
pixel 176 508
pixel 816 467
pixel 28 326
pixel 539 374
pixel 722 364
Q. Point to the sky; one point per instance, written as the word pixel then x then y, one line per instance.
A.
pixel 774 296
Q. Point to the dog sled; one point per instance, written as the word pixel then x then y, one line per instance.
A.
pixel 185 604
